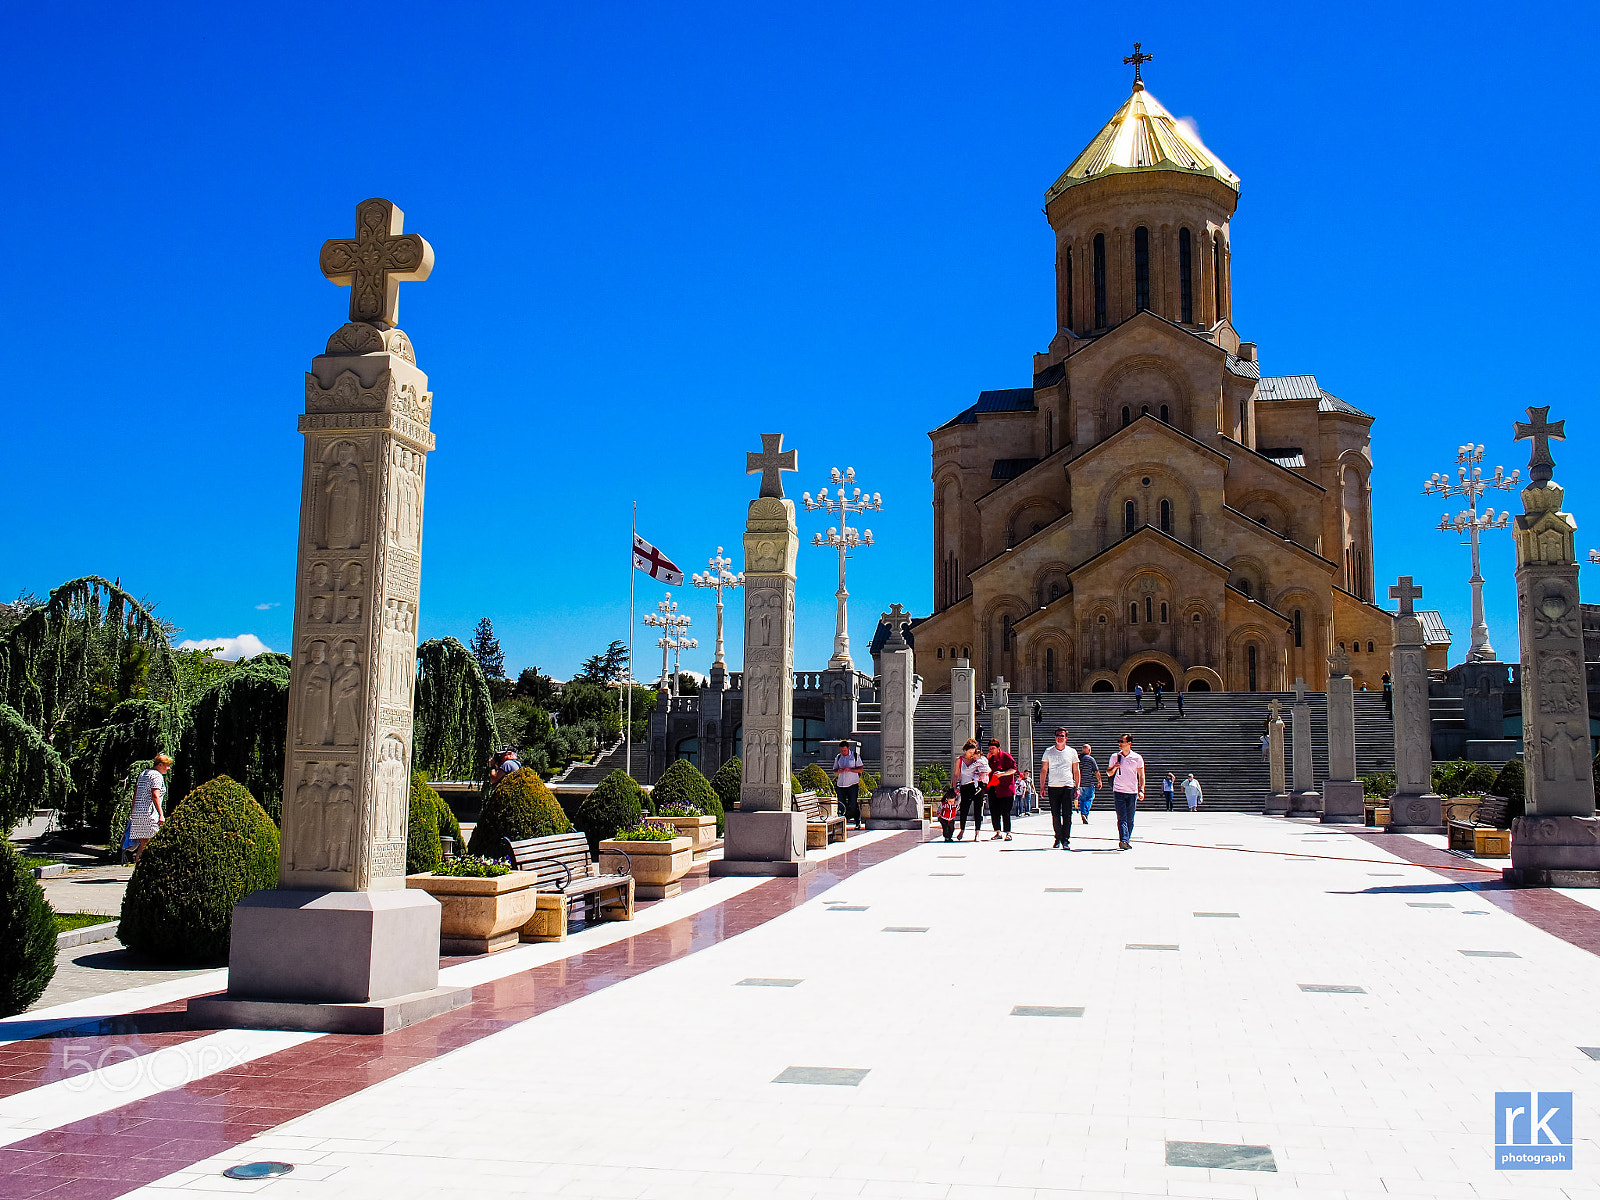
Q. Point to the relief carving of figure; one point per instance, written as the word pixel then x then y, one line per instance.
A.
pixel 405 526
pixel 319 577
pixel 352 610
pixel 393 794
pixel 1555 618
pixel 1557 756
pixel 344 500
pixel 346 687
pixel 351 577
pixel 316 725
pixel 310 844
pixel 1561 685
pixel 340 819
pixel 319 611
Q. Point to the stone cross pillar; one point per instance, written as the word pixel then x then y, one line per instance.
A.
pixel 1414 807
pixel 1343 797
pixel 1000 710
pixel 896 802
pixel 1025 760
pixel 766 836
pixel 1277 803
pixel 1557 844
pixel 963 706
pixel 1304 799
pixel 342 944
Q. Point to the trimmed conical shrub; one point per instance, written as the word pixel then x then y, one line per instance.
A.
pixel 1511 781
pixel 218 846
pixel 521 807
pixel 616 803
pixel 814 778
pixel 27 935
pixel 423 850
pixel 727 781
pixel 682 783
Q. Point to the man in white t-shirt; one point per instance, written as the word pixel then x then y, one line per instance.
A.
pixel 1062 777
pixel 1126 769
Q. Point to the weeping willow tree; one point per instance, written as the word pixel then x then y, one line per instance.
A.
pixel 66 664
pixel 454 730
pixel 237 727
pixel 136 730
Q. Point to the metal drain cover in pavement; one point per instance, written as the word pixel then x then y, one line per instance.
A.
pixel 1063 889
pixel 1427 904
pixel 823 1076
pixel 847 908
pixel 905 929
pixel 1044 1010
pixel 1592 1051
pixel 1147 946
pixel 1220 1157
pixel 258 1170
pixel 769 983
pixel 1339 988
pixel 1490 954
pixel 1216 914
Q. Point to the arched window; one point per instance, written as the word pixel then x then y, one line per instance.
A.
pixel 1217 254
pixel 1149 610
pixel 941 651
pixel 966 652
pixel 1297 636
pixel 1186 276
pixel 1127 416
pixel 1066 268
pixel 1141 269
pixel 1196 617
pixel 1055 592
pixel 1163 612
pixel 1005 632
pixel 1166 414
pixel 1099 281
pixel 1144 410
pixel 1130 516
pixel 1133 613
pixel 1244 586
pixel 1166 516
pixel 1250 662
pixel 688 751
pixel 1370 649
pixel 1049 669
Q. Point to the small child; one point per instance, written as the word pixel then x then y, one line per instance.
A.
pixel 949 808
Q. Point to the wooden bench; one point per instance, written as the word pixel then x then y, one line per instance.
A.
pixel 820 828
pixel 1377 814
pixel 567 876
pixel 1484 834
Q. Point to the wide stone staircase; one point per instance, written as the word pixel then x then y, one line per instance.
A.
pixel 1218 738
pixel 611 760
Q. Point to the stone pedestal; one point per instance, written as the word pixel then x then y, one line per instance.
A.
pixel 1553 852
pixel 328 937
pixel 1277 801
pixel 766 836
pixel 897 803
pixel 963 706
pixel 1414 807
pixel 1343 797
pixel 1304 799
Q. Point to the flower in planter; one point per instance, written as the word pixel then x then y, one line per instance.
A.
pixel 470 866
pixel 649 831
pixel 678 808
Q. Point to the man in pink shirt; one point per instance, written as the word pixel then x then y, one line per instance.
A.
pixel 1126 769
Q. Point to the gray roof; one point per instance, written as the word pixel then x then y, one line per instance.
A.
pixel 1285 456
pixel 1288 387
pixel 1239 366
pixel 1434 632
pixel 1010 468
pixel 1332 403
pixel 1004 400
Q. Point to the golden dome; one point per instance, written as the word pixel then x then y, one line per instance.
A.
pixel 1143 136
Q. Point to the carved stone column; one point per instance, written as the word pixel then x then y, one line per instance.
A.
pixel 963 706
pixel 1304 799
pixel 1557 844
pixel 766 836
pixel 897 802
pixel 1277 802
pixel 341 944
pixel 1414 807
pixel 1343 797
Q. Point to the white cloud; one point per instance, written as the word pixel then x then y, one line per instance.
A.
pixel 246 645
pixel 264 607
pixel 1191 125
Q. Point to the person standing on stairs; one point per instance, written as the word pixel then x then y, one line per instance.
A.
pixel 1127 788
pixel 1180 702
pixel 1063 779
pixel 1158 695
pixel 1167 786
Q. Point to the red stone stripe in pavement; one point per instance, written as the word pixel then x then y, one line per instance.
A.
pixel 112 1154
pixel 90 1045
pixel 1572 922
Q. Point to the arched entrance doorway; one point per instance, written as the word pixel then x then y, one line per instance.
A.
pixel 1199 685
pixel 1102 685
pixel 1149 674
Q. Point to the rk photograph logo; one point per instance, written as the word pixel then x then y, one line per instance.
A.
pixel 1533 1131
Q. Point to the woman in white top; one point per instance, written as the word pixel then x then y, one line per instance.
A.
pixel 972 777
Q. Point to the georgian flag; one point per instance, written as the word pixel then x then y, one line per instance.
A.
pixel 655 564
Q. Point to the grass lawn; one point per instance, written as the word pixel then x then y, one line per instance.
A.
pixel 31 861
pixel 66 921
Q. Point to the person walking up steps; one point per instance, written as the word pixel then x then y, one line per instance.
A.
pixel 1158 696
pixel 1062 777
pixel 1138 697
pixel 1002 789
pixel 1090 782
pixel 1191 792
pixel 1127 788
pixel 1180 702
pixel 1167 785
pixel 971 776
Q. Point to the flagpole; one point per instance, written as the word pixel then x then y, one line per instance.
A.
pixel 627 729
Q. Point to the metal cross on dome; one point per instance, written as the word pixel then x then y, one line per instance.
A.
pixel 1137 60
pixel 376 261
pixel 772 460
pixel 1405 592
pixel 1541 467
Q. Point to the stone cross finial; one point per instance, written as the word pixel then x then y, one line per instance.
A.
pixel 1541 467
pixel 1405 592
pixel 897 618
pixel 1339 662
pixel 772 460
pixel 1000 693
pixel 1137 60
pixel 1276 709
pixel 1299 690
pixel 376 261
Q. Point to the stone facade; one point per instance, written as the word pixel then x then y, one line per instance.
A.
pixel 1151 508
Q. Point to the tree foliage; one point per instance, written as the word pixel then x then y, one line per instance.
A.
pixel 454 715
pixel 27 935
pixel 616 803
pixel 606 668
pixel 682 783
pixel 136 731
pixel 727 782
pixel 521 807
pixel 31 772
pixel 486 649
pixel 237 727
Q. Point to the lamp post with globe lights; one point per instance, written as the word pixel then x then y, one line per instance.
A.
pixel 847 500
pixel 719 578
pixel 673 625
pixel 1471 484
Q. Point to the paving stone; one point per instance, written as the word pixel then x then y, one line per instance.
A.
pixel 905 929
pixel 783 983
pixel 1148 946
pixel 1220 1156
pixel 1490 954
pixel 1337 988
pixel 1215 914
pixel 823 1076
pixel 1044 1010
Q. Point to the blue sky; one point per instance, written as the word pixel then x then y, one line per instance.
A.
pixel 661 230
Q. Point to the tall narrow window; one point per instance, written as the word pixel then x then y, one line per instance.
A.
pixel 1141 269
pixel 1216 278
pixel 1133 613
pixel 1250 662
pixel 1067 270
pixel 1127 416
pixel 1244 586
pixel 1163 612
pixel 1297 634
pixel 1166 415
pixel 1005 633
pixel 1099 281
pixel 1244 422
pixel 1186 275
pixel 1049 669
pixel 1149 609
pixel 1130 517
pixel 1166 516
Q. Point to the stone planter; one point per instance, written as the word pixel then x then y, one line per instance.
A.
pixel 701 832
pixel 657 866
pixel 479 916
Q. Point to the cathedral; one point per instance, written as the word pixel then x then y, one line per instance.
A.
pixel 1153 509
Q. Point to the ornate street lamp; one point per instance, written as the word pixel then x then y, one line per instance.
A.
pixel 848 499
pixel 1470 483
pixel 672 624
pixel 718 578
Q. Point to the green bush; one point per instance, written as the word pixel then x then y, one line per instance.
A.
pixel 1480 779
pixel 682 783
pixel 27 935
pixel 616 803
pixel 449 827
pixel 424 852
pixel 521 807
pixel 217 847
pixel 871 781
pixel 1511 782
pixel 795 786
pixel 1379 784
pixel 815 778
pixel 726 783
pixel 1450 779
